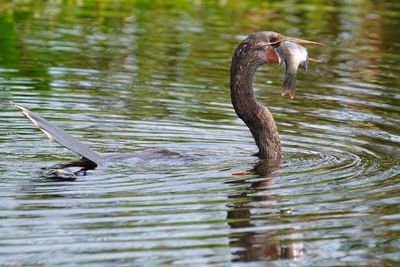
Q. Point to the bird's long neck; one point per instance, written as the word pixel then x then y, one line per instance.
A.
pixel 257 117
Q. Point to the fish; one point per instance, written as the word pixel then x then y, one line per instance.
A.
pixel 294 55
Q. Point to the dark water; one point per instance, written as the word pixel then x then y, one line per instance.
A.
pixel 130 75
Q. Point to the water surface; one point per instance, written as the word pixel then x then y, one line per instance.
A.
pixel 127 76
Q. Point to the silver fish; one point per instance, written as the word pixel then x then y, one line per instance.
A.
pixel 294 55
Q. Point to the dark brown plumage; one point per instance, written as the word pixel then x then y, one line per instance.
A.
pixel 258 49
pixel 253 52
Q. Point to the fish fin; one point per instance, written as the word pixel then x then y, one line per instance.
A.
pixel 284 91
pixel 60 136
pixel 304 64
pixel 314 60
pixel 289 85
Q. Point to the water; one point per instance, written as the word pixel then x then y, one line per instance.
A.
pixel 129 76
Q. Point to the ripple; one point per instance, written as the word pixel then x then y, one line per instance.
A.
pixel 128 78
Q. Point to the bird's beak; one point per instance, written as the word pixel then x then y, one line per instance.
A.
pixel 305 42
pixel 300 41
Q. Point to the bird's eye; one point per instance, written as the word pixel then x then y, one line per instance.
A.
pixel 275 40
pixel 260 47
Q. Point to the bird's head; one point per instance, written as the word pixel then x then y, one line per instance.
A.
pixel 263 47
pixel 268 47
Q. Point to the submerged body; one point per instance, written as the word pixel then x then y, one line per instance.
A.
pixel 257 49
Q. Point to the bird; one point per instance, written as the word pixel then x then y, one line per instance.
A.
pixel 257 49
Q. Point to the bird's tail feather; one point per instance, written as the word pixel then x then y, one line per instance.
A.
pixel 60 136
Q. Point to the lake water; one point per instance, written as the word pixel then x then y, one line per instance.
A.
pixel 125 76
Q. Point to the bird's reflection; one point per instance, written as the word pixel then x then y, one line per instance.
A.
pixel 250 211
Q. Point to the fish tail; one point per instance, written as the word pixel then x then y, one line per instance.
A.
pixel 284 90
pixel 289 85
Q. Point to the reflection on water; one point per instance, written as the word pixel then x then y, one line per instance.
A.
pixel 253 245
pixel 127 76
